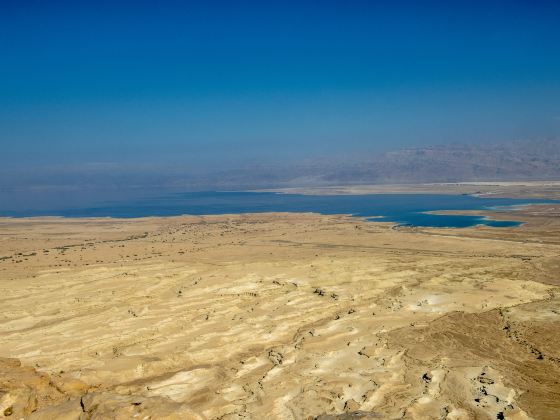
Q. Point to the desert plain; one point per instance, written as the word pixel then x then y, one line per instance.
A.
pixel 279 316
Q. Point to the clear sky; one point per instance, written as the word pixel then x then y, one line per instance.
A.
pixel 210 82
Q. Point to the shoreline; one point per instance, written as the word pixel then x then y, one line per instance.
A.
pixel 416 189
pixel 506 189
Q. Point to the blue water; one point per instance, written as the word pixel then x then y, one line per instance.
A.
pixel 403 209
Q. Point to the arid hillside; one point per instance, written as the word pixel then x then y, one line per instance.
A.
pixel 284 316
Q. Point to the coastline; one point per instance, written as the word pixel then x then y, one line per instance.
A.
pixel 506 189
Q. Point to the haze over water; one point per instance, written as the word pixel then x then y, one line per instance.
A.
pixel 98 95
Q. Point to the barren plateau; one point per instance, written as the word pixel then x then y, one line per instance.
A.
pixel 278 315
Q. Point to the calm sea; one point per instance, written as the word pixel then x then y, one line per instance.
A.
pixel 403 209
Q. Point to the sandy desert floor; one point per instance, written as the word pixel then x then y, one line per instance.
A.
pixel 283 316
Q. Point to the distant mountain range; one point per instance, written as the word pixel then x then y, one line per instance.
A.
pixel 535 160
pixel 451 163
pixel 523 160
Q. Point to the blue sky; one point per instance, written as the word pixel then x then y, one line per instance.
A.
pixel 199 83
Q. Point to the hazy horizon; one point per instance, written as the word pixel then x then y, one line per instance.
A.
pixel 184 83
pixel 98 98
